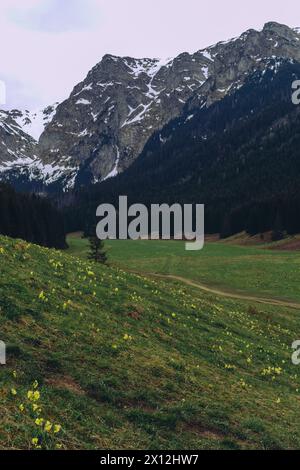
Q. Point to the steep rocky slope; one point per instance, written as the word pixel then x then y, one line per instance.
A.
pixel 17 148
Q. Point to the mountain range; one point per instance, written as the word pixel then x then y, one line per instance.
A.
pixel 125 104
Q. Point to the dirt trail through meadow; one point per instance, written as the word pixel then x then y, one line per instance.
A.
pixel 225 293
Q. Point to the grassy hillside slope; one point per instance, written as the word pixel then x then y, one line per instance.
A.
pixel 122 361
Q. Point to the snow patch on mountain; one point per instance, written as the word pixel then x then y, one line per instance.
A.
pixel 83 101
pixel 149 67
pixel 34 123
pixel 114 172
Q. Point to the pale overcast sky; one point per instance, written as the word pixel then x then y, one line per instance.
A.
pixel 47 46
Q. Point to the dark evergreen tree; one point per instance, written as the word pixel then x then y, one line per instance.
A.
pixel 97 252
pixel 278 232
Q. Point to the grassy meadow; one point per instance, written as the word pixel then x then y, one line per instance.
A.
pixel 255 270
pixel 101 358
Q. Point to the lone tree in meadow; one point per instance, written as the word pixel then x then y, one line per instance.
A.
pixel 97 252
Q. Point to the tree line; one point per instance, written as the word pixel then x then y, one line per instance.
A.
pixel 31 218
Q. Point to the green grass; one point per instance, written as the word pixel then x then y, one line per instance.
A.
pixel 78 246
pixel 251 270
pixel 127 362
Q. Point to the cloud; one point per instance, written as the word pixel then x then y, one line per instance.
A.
pixel 55 16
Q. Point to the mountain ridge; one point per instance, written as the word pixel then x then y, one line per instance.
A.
pixel 103 127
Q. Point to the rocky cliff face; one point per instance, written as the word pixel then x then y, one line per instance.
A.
pixel 17 148
pixel 108 118
pixel 104 125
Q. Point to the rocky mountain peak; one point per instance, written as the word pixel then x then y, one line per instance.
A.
pixel 280 30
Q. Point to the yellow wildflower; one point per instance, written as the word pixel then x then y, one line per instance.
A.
pixel 33 396
pixel 127 337
pixel 48 426
pixel 57 428
pixel 39 421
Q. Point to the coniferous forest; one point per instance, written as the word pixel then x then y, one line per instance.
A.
pixel 31 218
